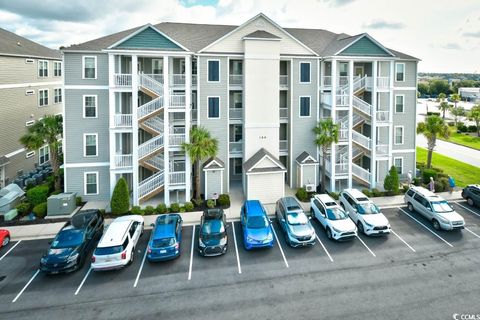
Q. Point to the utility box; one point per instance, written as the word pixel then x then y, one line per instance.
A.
pixel 61 204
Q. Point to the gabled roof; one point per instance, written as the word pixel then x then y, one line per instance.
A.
pixel 213 164
pixel 249 165
pixel 365 45
pixel 260 34
pixel 306 158
pixel 15 45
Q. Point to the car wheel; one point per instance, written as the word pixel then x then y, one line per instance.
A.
pixel 5 241
pixel 360 227
pixel 470 202
pixel 329 233
pixel 436 224
pixel 410 207
pixel 131 256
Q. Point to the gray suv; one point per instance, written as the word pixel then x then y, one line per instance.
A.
pixel 294 222
pixel 471 193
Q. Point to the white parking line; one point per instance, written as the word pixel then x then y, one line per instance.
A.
pixel 467 208
pixel 83 281
pixel 141 267
pixel 191 254
pixel 16 244
pixel 365 245
pixel 279 246
pixel 236 248
pixel 426 227
pixel 24 288
pixel 324 249
pixel 403 240
pixel 476 235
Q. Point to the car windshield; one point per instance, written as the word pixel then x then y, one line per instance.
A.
pixel 213 229
pixel 297 218
pixel 212 236
pixel 336 214
pixel 367 208
pixel 441 206
pixel 68 239
pixel 108 250
pixel 162 243
pixel 257 222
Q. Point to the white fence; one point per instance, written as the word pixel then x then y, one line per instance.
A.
pixel 122 120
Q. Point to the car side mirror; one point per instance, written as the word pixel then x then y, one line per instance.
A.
pixel 429 209
pixel 152 225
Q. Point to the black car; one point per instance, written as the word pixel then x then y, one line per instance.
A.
pixel 73 242
pixel 471 193
pixel 213 240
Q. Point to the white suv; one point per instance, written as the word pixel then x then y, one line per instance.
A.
pixel 116 248
pixel 364 213
pixel 434 208
pixel 333 218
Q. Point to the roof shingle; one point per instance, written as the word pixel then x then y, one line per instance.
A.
pixel 13 44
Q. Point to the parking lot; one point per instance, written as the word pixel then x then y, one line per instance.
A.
pixel 415 271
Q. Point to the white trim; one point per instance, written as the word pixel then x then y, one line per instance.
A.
pixel 369 37
pixel 395 135
pixel 219 71
pixel 300 106
pixel 405 89
pixel 216 169
pixel 403 150
pixel 401 168
pixel 85 145
pixel 29 154
pixel 39 97
pixel 213 160
pixel 269 172
pixel 14 153
pixel 30 56
pixel 85 87
pixel 83 67
pixel 83 105
pixel 38 69
pixel 300 72
pixel 55 63
pixel 403 104
pixel 85 182
pixel 395 74
pixel 263 125
pixel 306 164
pixel 61 95
pixel 219 107
pixel 86 164
pixel 280 165
pixel 40 154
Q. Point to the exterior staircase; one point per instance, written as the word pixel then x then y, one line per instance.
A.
pixel 361 175
pixel 151 186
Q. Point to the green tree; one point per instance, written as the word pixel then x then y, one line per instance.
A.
pixel 201 146
pixel 457 112
pixel 392 182
pixel 47 131
pixel 474 115
pixel 326 133
pixel 455 99
pixel 432 127
pixel 120 202
pixel 441 97
pixel 444 106
pixel 423 88
pixel 438 86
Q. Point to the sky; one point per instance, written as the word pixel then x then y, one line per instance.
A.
pixel 444 34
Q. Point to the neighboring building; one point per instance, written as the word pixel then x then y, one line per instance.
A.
pixel 469 94
pixel 260 89
pixel 30 87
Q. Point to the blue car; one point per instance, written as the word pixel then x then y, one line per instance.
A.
pixel 257 231
pixel 164 243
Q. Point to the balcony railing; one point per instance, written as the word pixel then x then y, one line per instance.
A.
pixel 156 76
pixel 283 145
pixel 327 81
pixel 236 79
pixel 122 160
pixel 343 134
pixel 327 99
pixel 362 140
pixel 150 184
pixel 122 120
pixel 176 139
pixel 123 80
pixel 236 147
pixel 361 173
pixel 341 168
pixel 177 79
pixel 382 149
pixel 342 100
pixel 177 177
pixel 342 80
pixel 382 116
pixel 283 80
pixel 383 82
pixel 177 100
pixel 283 113
pixel 194 114
pixel 235 113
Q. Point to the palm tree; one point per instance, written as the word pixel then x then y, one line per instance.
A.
pixel 326 133
pixel 48 131
pixel 474 115
pixel 444 106
pixel 432 127
pixel 441 97
pixel 201 146
pixel 455 98
pixel 457 112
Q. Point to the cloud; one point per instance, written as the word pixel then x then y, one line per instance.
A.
pixel 472 34
pixel 450 46
pixel 339 3
pixel 382 24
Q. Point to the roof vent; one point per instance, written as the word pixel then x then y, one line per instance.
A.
pixel 19 43
pixel 260 25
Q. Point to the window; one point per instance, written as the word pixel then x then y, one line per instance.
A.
pixel 214 107
pixel 304 106
pixel 89 106
pixel 29 154
pixel 398 134
pixel 89 67
pixel 398 163
pixel 42 68
pixel 90 143
pixel 304 72
pixel 237 166
pixel 57 95
pixel 237 100
pixel 57 69
pixel 400 72
pixel 213 70
pixel 399 103
pixel 42 97
pixel 91 182
pixel 29 92
pixel 157 66
pixel 237 133
pixel 343 69
pixel 43 155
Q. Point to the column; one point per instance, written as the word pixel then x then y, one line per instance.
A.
pixel 111 118
pixel 166 134
pixel 390 113
pixel 350 121
pixel 135 179
pixel 188 108
pixel 334 119
pixel 373 162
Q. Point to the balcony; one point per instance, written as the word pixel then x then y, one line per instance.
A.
pixel 177 101
pixel 122 120
pixel 194 114
pixel 122 161
pixel 177 177
pixel 343 134
pixel 176 139
pixel 235 113
pixel 156 76
pixel 236 147
pixel 283 81
pixel 383 82
pixel 326 100
pixel 194 79
pixel 283 145
pixel 283 113
pixel 342 80
pixel 177 79
pixel 341 168
pixel 327 81
pixel 382 116
pixel 122 79
pixel 382 150
pixel 236 79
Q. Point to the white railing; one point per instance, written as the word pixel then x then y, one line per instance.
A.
pixel 359 83
pixel 343 134
pixel 177 100
pixel 283 113
pixel 156 76
pixel 283 80
pixel 343 80
pixel 150 107
pixel 122 120
pixel 123 79
pixel 342 100
pixel 236 147
pixel 283 145
pixel 327 81
pixel 235 113
pixel 361 173
pixel 176 139
pixel 382 149
pixel 341 168
pixel 150 184
pixel 177 79
pixel 157 161
pixel 356 151
pixel 327 99
pixel 194 114
pixel 194 80
pixel 361 105
pixel 327 166
pixel 177 177
pixel 150 83
pixel 383 82
pixel 361 140
pixel 357 119
pixel 155 123
pixel 236 79
pixel 150 146
pixel 122 160
pixel 382 116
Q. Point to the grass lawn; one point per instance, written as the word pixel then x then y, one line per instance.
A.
pixel 463 139
pixel 462 172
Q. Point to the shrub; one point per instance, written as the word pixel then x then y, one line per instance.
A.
pixel 427 173
pixel 462 128
pixel 23 208
pixel 120 202
pixel 302 194
pixel 182 209
pixel 223 199
pixel 451 124
pixel 391 182
pixel 198 202
pixel 437 169
pixel 334 195
pixel 78 201
pixel 40 210
pixel 55 192
pixel 366 192
pixel 416 181
pixel 430 113
pixel 175 207
pixel 376 193
pixel 102 211
pixel 189 206
pixel 210 203
pixel 149 210
pixel 439 187
pixel 472 128
pixel 37 195
pixel 442 175
pixel 444 182
pixel 405 188
pixel 161 208
pixel 137 210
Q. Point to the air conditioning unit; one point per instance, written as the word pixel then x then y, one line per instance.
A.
pixel 310 187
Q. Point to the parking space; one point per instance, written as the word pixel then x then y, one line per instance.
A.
pixel 8 248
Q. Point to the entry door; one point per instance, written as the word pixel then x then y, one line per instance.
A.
pixel 359 71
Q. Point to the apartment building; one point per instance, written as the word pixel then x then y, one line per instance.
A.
pixel 260 89
pixel 30 87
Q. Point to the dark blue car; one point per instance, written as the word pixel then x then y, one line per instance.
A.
pixel 164 243
pixel 257 231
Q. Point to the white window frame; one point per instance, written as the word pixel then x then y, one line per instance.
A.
pixel 219 71
pixel 219 107
pixel 55 63
pixel 85 145
pixel 29 123
pixel 47 152
pixel 395 135
pixel 29 92
pixel 55 96
pixel 83 67
pixel 401 168
pixel 403 103
pixel 40 96
pixel 160 63
pixel 29 154
pixel 300 107
pixel 84 105
pixel 85 182
pixel 300 72
pixel 39 62
pixel 396 71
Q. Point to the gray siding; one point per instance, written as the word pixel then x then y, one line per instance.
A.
pixel 20 162
pixel 410 75
pixel 406 119
pixel 15 70
pixel 74 71
pixel 76 126
pixel 408 162
pixel 75 183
